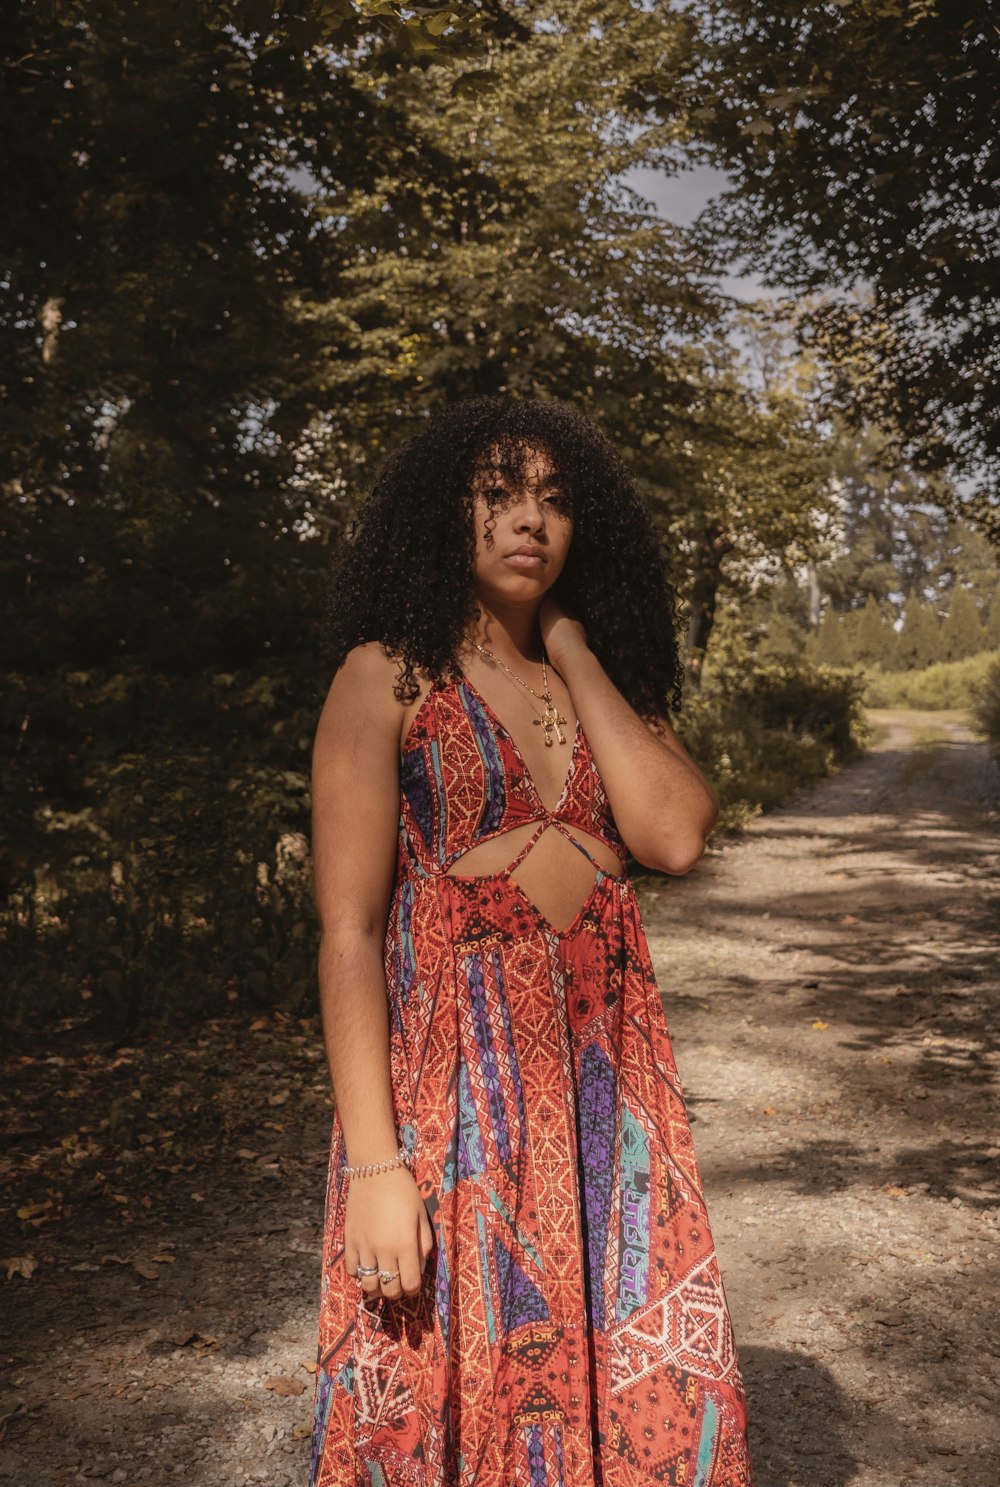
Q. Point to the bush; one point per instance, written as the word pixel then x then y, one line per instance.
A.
pixel 946 684
pixel 762 730
pixel 986 708
pixel 155 861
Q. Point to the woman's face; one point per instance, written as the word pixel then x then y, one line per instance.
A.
pixel 536 515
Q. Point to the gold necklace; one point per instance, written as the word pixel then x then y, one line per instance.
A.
pixel 552 717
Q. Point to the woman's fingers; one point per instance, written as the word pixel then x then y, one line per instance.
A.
pixel 411 1270
pixel 409 1262
pixel 369 1283
pixel 392 1289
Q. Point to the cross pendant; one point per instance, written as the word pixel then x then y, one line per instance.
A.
pixel 551 720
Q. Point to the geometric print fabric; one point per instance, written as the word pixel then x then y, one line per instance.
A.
pixel 572 1327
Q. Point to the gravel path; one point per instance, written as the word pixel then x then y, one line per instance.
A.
pixel 831 984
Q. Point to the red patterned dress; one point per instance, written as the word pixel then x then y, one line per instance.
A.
pixel 572 1328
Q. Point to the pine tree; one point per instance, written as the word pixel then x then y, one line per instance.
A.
pixel 928 636
pixel 911 635
pixel 890 639
pixel 870 644
pixel 992 626
pixel 962 631
pixel 828 645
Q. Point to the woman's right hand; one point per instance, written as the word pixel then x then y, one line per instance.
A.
pixel 386 1224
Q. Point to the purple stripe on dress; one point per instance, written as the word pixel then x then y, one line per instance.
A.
pixel 488 1063
pixel 416 786
pixel 489 749
pixel 596 1119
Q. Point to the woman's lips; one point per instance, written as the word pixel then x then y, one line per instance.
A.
pixel 524 560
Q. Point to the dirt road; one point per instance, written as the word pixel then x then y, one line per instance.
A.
pixel 831 982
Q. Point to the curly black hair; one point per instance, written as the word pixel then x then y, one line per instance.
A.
pixel 403 575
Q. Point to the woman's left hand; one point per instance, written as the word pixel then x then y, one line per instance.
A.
pixel 560 630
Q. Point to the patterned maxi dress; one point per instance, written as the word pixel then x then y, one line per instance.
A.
pixel 572 1329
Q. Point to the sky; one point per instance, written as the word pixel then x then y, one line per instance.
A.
pixel 679 198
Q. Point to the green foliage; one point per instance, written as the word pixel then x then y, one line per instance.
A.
pixel 919 637
pixel 156 850
pixel 828 647
pixel 762 730
pixel 239 263
pixel 862 144
pixel 986 706
pixel 962 633
pixel 992 626
pixel 871 638
pixel 868 637
pixel 944 685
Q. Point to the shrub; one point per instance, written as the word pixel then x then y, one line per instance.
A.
pixel 986 707
pixel 763 730
pixel 946 684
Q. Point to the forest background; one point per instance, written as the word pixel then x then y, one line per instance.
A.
pixel 247 247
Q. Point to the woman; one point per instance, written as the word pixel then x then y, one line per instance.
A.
pixel 519 1287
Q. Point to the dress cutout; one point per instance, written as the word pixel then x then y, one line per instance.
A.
pixel 572 1328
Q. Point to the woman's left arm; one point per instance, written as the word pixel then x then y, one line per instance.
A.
pixel 663 805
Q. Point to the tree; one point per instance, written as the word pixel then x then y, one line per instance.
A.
pixel 757 483
pixel 992 635
pixel 870 640
pixel 919 636
pixel 962 631
pixel 861 142
pixel 259 257
pixel 828 646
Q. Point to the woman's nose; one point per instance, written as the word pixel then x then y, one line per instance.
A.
pixel 530 512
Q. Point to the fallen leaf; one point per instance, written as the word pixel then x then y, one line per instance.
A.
pixel 820 1026
pixel 202 1341
pixel 145 1269
pixel 23 1265
pixel 850 919
pixel 29 1210
pixel 769 1110
pixel 285 1386
pixel 300 1432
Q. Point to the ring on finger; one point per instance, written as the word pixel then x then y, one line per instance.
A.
pixel 361 1270
pixel 385 1276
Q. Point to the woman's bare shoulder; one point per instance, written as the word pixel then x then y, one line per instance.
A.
pixel 361 694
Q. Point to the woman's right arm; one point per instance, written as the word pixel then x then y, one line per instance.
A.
pixel 355 815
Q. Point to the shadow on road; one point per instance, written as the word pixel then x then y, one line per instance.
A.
pixel 799 1420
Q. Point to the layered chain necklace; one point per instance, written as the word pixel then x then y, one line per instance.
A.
pixel 552 718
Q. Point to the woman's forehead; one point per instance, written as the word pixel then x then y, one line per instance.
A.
pixel 528 461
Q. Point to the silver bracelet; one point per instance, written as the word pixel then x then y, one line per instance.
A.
pixel 401 1159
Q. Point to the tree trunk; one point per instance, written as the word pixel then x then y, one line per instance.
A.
pixel 704 595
